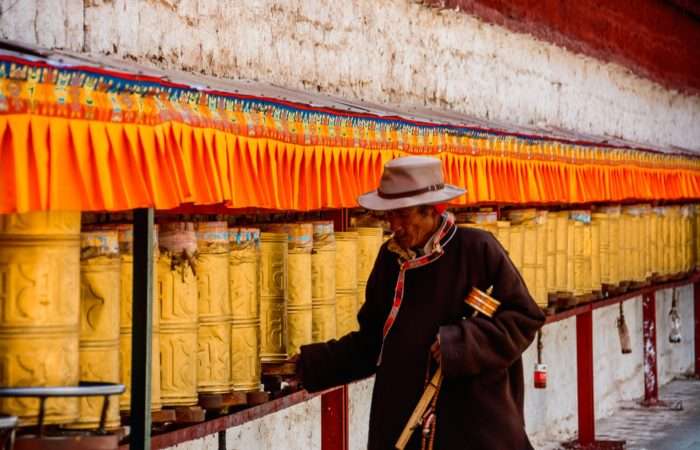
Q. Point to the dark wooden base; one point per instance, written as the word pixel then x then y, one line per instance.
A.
pixel 189 414
pixel 257 397
pixel 221 401
pixel 157 417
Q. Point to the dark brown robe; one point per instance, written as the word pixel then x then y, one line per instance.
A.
pixel 480 405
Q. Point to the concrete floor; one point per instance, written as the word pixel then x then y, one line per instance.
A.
pixel 658 429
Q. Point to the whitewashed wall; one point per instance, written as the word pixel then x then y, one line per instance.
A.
pixel 394 51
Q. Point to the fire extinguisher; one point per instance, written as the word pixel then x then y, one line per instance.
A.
pixel 540 375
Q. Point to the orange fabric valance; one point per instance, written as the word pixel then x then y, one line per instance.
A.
pixel 79 139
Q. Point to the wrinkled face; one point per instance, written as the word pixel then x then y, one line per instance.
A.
pixel 412 227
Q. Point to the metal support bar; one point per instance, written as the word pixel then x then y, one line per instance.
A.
pixel 696 294
pixel 584 370
pixel 334 419
pixel 142 309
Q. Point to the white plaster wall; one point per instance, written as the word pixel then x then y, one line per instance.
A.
pixel 675 359
pixel 359 402
pixel 295 428
pixel 617 377
pixel 210 442
pixel 551 414
pixel 394 51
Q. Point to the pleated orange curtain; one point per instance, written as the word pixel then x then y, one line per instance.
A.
pixel 55 163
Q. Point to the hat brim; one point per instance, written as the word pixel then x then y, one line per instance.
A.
pixel 373 201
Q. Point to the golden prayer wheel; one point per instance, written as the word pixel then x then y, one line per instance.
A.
pixel 578 257
pixel 40 323
pixel 561 245
pixel 550 237
pixel 632 239
pixel 126 258
pixel 596 278
pixel 600 222
pixel 324 326
pixel 244 273
pixel 503 233
pixel 273 297
pixel 587 284
pixel 346 293
pixel 524 252
pixel 369 241
pixel 177 291
pixel 213 308
pixel 613 214
pixel 99 325
pixel 654 241
pixel 571 256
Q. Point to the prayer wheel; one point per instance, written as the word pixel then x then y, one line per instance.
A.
pixel 550 237
pixel 324 326
pixel 578 257
pixel 244 260
pixel 541 296
pixel 126 258
pixel 516 245
pixel 369 240
pixel 99 323
pixel 595 255
pixel 273 296
pixel 299 297
pixel 600 223
pixel 632 223
pixel 524 249
pixel 644 242
pixel 571 255
pixel 561 240
pixel 654 241
pixel 503 233
pixel 586 284
pixel 40 323
pixel 213 308
pixel 613 214
pixel 346 292
pixel 177 291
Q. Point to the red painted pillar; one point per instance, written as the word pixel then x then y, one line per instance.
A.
pixel 334 419
pixel 651 383
pixel 584 370
pixel 696 294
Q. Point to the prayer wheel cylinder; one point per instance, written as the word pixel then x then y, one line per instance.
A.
pixel 524 252
pixel 578 257
pixel 600 222
pixel 614 244
pixel 99 322
pixel 665 241
pixel 346 292
pixel 541 260
pixel 213 308
pixel 595 255
pixel 516 245
pixel 645 244
pixel 244 273
pixel 177 291
pixel 299 297
pixel 587 285
pixel 503 233
pixel 550 237
pixel 369 240
pixel 273 297
pixel 126 259
pixel 324 326
pixel 40 320
pixel 654 241
pixel 562 248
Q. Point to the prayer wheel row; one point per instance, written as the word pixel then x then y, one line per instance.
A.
pixel 579 252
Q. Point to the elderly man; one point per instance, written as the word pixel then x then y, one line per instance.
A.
pixel 415 317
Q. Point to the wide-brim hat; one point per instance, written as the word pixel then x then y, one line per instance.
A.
pixel 410 181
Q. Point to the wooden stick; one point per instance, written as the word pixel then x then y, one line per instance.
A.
pixel 414 421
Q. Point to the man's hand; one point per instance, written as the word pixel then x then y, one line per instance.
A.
pixel 435 350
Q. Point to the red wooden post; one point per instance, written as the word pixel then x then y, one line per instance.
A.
pixel 334 419
pixel 651 382
pixel 584 370
pixel 696 294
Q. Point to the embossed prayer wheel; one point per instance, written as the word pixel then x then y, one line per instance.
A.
pixel 369 240
pixel 613 214
pixel 126 258
pixel 273 296
pixel 550 236
pixel 541 260
pixel 503 233
pixel 580 251
pixel 524 248
pixel 40 320
pixel 595 256
pixel 654 241
pixel 561 239
pixel 346 293
pixel 244 273
pixel 570 257
pixel 516 245
pixel 177 291
pixel 99 323
pixel 631 223
pixel 299 290
pixel 213 308
pixel 324 326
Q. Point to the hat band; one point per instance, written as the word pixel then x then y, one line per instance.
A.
pixel 433 187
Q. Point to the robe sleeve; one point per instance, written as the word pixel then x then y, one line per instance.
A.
pixel 475 345
pixel 353 356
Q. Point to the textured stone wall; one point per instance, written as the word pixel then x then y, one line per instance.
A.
pixel 393 51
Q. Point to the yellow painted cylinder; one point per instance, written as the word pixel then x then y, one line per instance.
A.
pixel 550 237
pixel 503 233
pixel 562 248
pixel 177 292
pixel 346 292
pixel 299 299
pixel 273 297
pixel 213 308
pixel 645 241
pixel 578 256
pixel 595 256
pixel 571 256
pixel 541 260
pixel 369 240
pixel 601 223
pixel 613 214
pixel 245 303
pixel 40 303
pixel 516 245
pixel 524 248
pixel 99 323
pixel 126 271
pixel 324 326
pixel 654 241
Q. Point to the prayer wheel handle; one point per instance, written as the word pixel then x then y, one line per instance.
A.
pixel 7 431
pixel 84 389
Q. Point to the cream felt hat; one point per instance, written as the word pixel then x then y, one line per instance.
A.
pixel 410 181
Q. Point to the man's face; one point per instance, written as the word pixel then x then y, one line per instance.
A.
pixel 411 227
